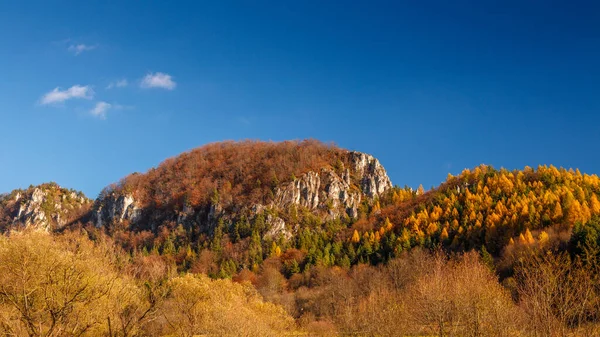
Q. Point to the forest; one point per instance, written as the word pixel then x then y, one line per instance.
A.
pixel 489 252
pixel 69 285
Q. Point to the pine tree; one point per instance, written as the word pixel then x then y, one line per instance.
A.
pixel 376 207
pixel 529 237
pixel 344 262
pixel 543 238
pixel 557 213
pixel 522 239
pixel 275 250
pixel 255 249
pixel 215 244
pixel 594 204
pixel 294 267
pixel 444 234
pixel 259 223
pixel 388 224
pixel 355 237
pixel 168 247
pixel 487 258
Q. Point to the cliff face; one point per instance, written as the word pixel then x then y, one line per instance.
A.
pixel 115 208
pixel 339 193
pixel 373 178
pixel 328 192
pixel 44 207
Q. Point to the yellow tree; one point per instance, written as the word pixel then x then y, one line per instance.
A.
pixel 387 224
pixel 355 237
pixel 574 213
pixel 557 213
pixel 594 204
pixel 198 305
pixel 376 207
pixel 529 237
pixel 65 286
pixel 444 234
pixel 275 250
pixel 432 228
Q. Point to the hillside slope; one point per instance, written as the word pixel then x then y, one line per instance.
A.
pixel 492 208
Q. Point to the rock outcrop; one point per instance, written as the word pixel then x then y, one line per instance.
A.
pixel 334 192
pixel 44 207
pixel 115 208
pixel 374 179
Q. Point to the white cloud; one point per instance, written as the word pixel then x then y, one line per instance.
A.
pixel 117 84
pixel 80 48
pixel 158 80
pixel 59 96
pixel 100 109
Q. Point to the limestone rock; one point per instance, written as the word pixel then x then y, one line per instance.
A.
pixel 276 227
pixel 304 191
pixel 115 208
pixel 374 179
pixel 328 190
pixel 44 207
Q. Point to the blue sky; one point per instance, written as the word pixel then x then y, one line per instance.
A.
pixel 90 91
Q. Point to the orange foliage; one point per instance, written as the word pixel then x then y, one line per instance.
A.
pixel 229 172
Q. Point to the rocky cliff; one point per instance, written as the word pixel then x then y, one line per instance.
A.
pixel 338 193
pixel 44 207
pixel 115 208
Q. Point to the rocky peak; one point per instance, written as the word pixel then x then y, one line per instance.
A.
pixel 43 207
pixel 31 212
pixel 336 193
pixel 374 179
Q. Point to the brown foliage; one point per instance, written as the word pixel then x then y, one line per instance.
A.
pixel 461 297
pixel 559 294
pixel 415 294
pixel 228 172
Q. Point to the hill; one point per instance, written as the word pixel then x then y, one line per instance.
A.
pixel 491 208
pixel 44 207
pixel 238 199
